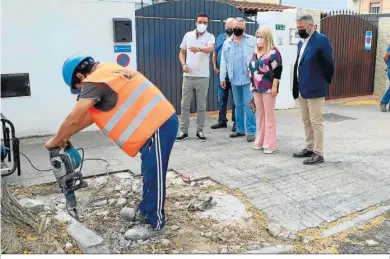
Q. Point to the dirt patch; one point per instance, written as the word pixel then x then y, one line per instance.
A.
pixel 202 217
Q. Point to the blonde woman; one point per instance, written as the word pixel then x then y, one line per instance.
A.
pixel 265 70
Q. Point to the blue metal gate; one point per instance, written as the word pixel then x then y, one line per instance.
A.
pixel 160 29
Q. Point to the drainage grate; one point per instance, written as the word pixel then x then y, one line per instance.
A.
pixel 332 117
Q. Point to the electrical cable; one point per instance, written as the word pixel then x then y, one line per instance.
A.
pixel 74 214
pixel 81 165
pixel 40 170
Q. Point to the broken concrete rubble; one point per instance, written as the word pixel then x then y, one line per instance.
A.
pixel 201 204
pixel 121 202
pixel 33 205
pixel 220 210
pixel 127 213
pixel 100 202
pixel 274 229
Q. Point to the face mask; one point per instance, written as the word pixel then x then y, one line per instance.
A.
pixel 201 28
pixel 229 31
pixel 238 32
pixel 260 42
pixel 303 33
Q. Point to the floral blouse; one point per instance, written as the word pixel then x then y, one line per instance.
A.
pixel 264 70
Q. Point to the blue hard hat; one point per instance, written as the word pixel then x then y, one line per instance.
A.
pixel 68 70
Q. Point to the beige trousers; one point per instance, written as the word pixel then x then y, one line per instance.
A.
pixel 313 120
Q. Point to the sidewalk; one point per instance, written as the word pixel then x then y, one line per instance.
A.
pixel 354 176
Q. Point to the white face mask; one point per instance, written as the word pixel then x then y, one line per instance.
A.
pixel 201 28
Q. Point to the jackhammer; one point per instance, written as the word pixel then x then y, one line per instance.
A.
pixel 65 165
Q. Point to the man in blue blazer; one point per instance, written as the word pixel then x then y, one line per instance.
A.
pixel 313 72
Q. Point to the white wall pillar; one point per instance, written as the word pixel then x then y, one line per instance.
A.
pixel 281 23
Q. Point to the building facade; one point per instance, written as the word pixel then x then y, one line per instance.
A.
pixel 370 6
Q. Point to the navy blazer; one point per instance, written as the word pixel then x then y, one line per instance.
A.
pixel 316 68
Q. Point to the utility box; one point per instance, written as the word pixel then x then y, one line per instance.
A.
pixel 15 85
pixel 122 30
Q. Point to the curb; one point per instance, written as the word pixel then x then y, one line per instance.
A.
pixel 356 222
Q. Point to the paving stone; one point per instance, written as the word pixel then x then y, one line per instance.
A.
pixel 87 240
pixel 357 221
pixel 33 205
pixel 279 249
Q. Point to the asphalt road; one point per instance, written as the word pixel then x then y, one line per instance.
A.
pixel 357 241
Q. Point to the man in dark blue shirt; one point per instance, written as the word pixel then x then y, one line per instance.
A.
pixel 223 94
pixel 386 97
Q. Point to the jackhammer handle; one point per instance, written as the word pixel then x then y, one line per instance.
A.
pixel 69 145
pixel 52 149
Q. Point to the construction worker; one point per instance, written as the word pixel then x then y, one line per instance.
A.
pixel 136 116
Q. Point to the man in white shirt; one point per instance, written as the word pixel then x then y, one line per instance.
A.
pixel 194 57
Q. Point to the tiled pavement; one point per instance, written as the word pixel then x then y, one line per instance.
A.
pixel 356 174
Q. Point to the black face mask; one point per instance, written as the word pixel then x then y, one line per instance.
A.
pixel 303 33
pixel 229 31
pixel 238 32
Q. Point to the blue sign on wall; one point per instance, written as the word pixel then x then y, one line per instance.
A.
pixel 122 48
pixel 368 40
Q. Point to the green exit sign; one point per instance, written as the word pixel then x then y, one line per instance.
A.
pixel 280 27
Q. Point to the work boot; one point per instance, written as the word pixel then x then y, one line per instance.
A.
pixel 130 214
pixel 142 232
pixel 219 125
pixel 383 107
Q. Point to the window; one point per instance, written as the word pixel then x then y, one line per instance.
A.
pixel 375 8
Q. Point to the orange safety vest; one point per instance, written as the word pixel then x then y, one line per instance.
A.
pixel 140 110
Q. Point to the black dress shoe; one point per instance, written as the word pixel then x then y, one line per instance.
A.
pixel 234 128
pixel 236 135
pixel 219 125
pixel 303 153
pixel 314 159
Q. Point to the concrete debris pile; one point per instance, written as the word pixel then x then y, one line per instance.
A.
pixel 200 217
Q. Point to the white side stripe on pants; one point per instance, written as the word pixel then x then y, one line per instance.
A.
pixel 160 190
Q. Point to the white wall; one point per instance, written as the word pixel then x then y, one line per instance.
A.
pixel 37 36
pixel 284 100
pixel 138 3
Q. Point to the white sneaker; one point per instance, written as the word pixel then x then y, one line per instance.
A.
pixel 142 232
pixel 257 148
pixel 268 151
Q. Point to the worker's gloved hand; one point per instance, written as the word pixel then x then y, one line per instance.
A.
pixel 53 143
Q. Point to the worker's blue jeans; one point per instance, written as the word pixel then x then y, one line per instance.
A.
pixel 155 157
